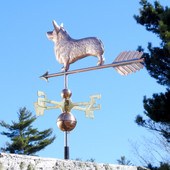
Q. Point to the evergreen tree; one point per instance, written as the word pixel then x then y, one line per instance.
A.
pixel 25 139
pixel 123 161
pixel 163 166
pixel 156 19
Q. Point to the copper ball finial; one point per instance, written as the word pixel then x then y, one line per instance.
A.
pixel 66 121
pixel 66 93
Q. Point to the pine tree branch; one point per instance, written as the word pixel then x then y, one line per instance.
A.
pixel 24 138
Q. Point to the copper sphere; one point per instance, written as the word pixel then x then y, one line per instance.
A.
pixel 66 121
pixel 66 93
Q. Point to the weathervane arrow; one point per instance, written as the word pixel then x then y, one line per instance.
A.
pixel 125 63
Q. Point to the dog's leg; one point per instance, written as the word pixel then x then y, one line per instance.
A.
pixel 66 65
pixel 101 60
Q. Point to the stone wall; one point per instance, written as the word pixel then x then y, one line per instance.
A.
pixel 23 162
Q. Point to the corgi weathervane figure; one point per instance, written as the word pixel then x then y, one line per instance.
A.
pixel 68 51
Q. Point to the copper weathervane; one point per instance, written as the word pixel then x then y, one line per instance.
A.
pixel 68 51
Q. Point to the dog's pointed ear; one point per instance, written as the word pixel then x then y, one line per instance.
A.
pixel 56 27
pixel 61 25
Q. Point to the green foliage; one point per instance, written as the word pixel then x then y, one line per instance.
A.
pixel 78 159
pixel 156 19
pixel 157 109
pixel 123 161
pixel 163 166
pixel 25 139
pixel 90 160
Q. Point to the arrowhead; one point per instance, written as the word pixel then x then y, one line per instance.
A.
pixel 44 76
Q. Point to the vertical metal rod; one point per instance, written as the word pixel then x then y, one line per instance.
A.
pixel 65 80
pixel 66 147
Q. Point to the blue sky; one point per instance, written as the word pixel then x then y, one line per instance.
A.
pixel 26 54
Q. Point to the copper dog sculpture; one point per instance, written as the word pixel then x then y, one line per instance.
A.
pixel 68 50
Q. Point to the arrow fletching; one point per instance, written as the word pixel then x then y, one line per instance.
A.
pixel 130 60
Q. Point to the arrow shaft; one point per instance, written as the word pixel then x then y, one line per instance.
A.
pixel 114 64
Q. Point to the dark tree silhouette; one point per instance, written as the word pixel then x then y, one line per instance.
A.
pixel 156 19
